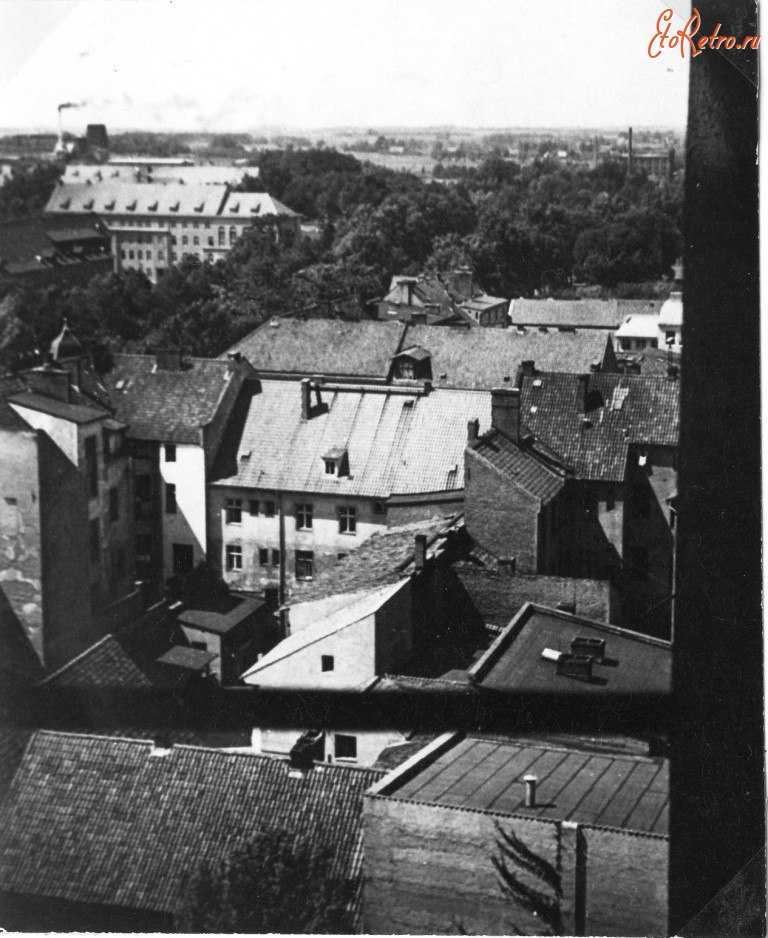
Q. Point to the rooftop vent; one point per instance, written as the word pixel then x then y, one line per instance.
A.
pixel 576 666
pixel 530 790
pixel 583 646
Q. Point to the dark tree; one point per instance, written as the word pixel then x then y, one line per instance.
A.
pixel 276 883
pixel 543 898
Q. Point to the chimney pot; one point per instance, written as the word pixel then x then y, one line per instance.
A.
pixel 473 430
pixel 530 790
pixel 528 368
pixel 235 356
pixel 420 551
pixel 505 412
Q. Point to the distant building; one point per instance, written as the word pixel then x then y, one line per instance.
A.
pixel 82 810
pixel 148 172
pixel 155 225
pixel 445 299
pixel 66 519
pixel 565 315
pixel 660 327
pixel 177 410
pixel 593 826
pixel 45 251
pixel 316 468
pixel 395 353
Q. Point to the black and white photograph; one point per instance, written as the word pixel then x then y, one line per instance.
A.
pixel 380 468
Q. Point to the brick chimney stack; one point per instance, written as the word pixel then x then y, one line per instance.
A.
pixel 505 412
pixel 473 430
pixel 420 551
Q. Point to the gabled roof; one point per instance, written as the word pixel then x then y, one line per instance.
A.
pixel 398 442
pixel 250 205
pixel 328 347
pixel 110 198
pixel 514 663
pixel 167 405
pixel 381 559
pixel 574 314
pixel 104 664
pixel 621 410
pixel 359 608
pixel 628 792
pixel 74 413
pixel 523 464
pixel 481 359
pixel 105 821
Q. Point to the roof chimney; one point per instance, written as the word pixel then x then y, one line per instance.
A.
pixel 462 279
pixel 168 359
pixel 505 412
pixel 473 430
pixel 235 356
pixel 51 380
pixel 530 790
pixel 420 551
pixel 672 371
pixel 581 393
pixel 528 368
pixel 306 391
pixel 507 566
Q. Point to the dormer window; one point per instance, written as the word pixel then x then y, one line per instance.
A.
pixel 131 206
pixel 174 207
pixel 88 205
pixel 109 206
pixel 152 207
pixel 336 462
pixel 413 363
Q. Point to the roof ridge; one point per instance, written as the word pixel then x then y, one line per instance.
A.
pixel 77 658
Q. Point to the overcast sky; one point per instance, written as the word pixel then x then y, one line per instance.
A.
pixel 240 64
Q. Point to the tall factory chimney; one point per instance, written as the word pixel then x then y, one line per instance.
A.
pixel 630 166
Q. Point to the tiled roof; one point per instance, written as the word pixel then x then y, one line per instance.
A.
pixel 102 820
pixel 600 789
pixel 159 404
pixel 583 314
pixel 481 359
pixel 221 615
pixel 104 664
pixel 397 443
pixel 118 198
pixel 621 409
pixel 382 558
pixel 651 361
pixel 636 307
pixel 499 597
pixel 75 413
pixel 633 662
pixel 252 205
pixel 327 347
pixel 522 464
pixel 42 243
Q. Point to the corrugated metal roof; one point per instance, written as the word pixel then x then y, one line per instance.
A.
pixel 101 820
pixel 617 791
pixel 396 443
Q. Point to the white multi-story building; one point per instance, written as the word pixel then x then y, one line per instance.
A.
pixel 155 225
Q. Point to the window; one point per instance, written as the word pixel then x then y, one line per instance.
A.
pixel 379 508
pixel 639 344
pixel 210 241
pixel 263 557
pixel 142 488
pixel 269 509
pixel 170 498
pixel 405 369
pixel 234 557
pixel 626 345
pixel 253 507
pixel 94 538
pixel 345 747
pixel 330 467
pixel 305 564
pixel 140 255
pixel 170 452
pixel 275 558
pixel 200 646
pixel 91 465
pixel 303 516
pixel 184 239
pixel 326 662
pixel 222 236
pixel 654 343
pixel 114 504
pixel 232 235
pixel 196 241
pixel 347 520
pixel 130 255
pixel 183 559
pixel 233 512
pixel 341 556
pixel 669 338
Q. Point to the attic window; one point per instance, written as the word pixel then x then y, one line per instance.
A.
pixel 256 208
pixel 152 207
pixel 65 203
pixel 199 208
pixel 88 205
pixel 234 208
pixel 174 207
pixel 108 206
pixel 336 462
pixel 408 404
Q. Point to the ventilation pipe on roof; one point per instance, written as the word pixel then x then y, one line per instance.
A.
pixel 306 391
pixel 530 790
